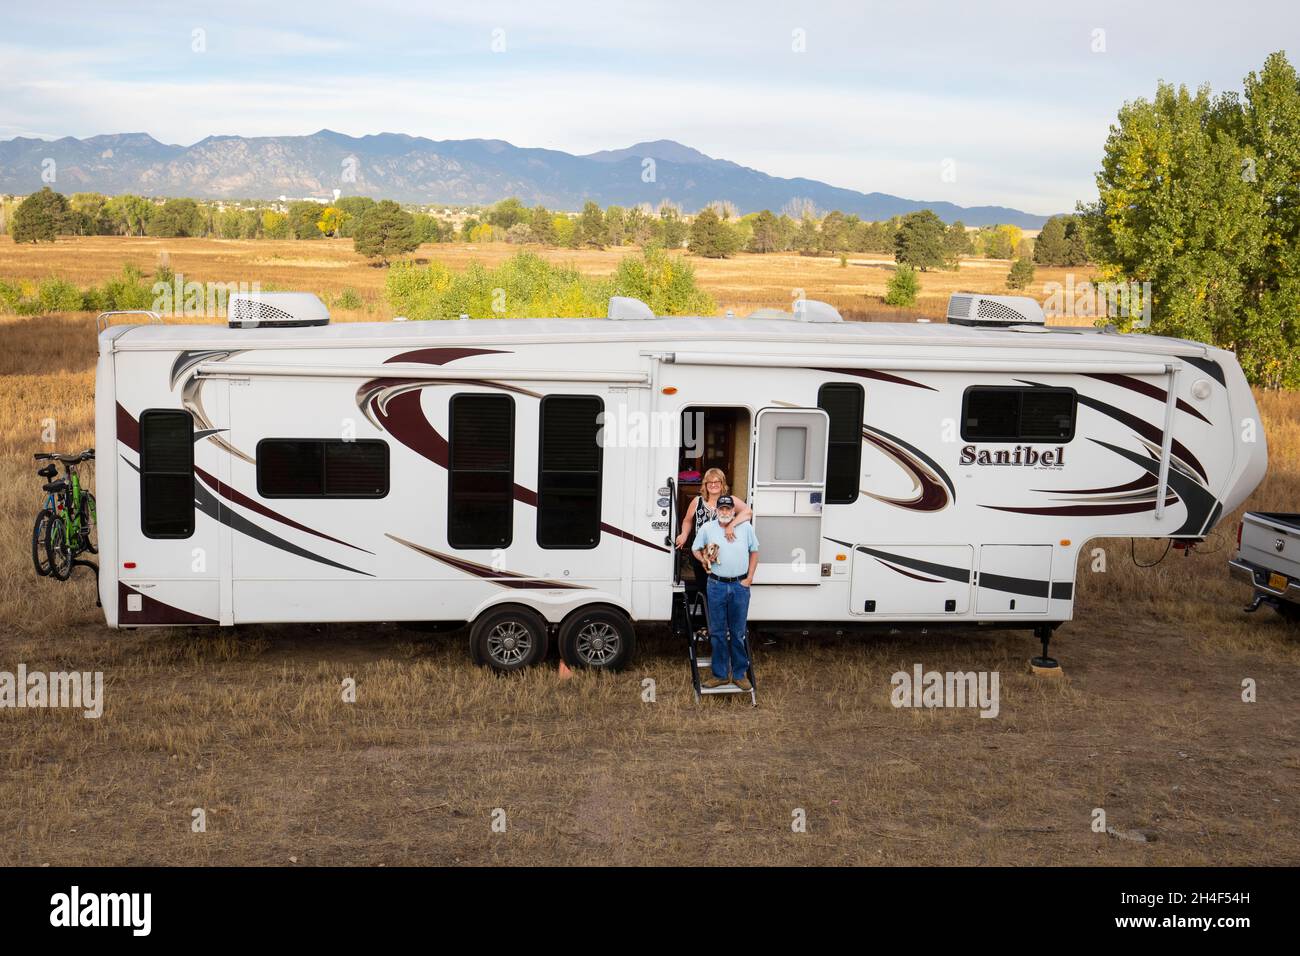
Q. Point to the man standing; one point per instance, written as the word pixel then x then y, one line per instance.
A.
pixel 730 574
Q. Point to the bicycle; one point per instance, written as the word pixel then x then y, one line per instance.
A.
pixel 65 527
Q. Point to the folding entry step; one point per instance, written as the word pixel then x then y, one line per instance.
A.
pixel 690 623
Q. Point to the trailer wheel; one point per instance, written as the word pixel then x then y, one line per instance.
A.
pixel 600 639
pixel 508 638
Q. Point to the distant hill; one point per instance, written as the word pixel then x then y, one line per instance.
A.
pixel 457 172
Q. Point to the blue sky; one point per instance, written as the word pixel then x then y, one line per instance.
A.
pixel 1015 96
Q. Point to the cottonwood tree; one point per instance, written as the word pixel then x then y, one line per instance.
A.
pixel 1200 196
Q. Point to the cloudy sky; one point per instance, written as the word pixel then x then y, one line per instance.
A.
pixel 1014 98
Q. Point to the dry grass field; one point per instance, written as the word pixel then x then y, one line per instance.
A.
pixel 248 724
pixel 328 266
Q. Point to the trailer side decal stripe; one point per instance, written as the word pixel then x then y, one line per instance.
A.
pixel 507 579
pixel 878 376
pixel 238 497
pixel 1145 388
pixel 153 611
pixel 1151 433
pixel 1057 591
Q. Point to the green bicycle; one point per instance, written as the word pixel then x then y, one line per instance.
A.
pixel 65 527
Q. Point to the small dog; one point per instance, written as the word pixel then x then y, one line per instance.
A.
pixel 710 556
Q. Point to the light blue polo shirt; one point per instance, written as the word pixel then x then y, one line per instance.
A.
pixel 733 556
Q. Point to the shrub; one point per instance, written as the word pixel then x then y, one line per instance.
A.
pixel 1021 274
pixel 903 287
pixel 58 295
pixel 348 299
pixel 526 285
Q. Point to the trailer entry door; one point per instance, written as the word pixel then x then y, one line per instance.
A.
pixel 787 492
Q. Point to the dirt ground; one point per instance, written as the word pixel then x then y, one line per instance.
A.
pixel 250 727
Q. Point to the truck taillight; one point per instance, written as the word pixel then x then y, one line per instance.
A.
pixel 1239 524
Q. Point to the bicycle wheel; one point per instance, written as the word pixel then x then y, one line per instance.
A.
pixel 88 523
pixel 40 554
pixel 58 549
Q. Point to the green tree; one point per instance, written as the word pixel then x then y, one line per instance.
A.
pixel 1197 196
pixel 507 213
pixel 711 237
pixel 591 226
pixel 40 217
pixel 920 241
pixel 674 227
pixel 275 225
pixel 303 216
pixel 543 225
pixel 176 217
pixel 1051 249
pixel 386 231
pixel 1021 274
pixel 956 242
pixel 904 285
pixel 767 233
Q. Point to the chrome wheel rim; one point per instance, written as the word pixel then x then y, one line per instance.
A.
pixel 598 643
pixel 509 643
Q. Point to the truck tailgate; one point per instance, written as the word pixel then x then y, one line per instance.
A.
pixel 1272 541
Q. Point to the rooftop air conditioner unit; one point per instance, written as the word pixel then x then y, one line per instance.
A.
pixel 275 310
pixel 994 311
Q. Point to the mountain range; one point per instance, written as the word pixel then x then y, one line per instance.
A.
pixel 455 172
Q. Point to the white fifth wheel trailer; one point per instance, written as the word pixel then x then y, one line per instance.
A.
pixel 528 476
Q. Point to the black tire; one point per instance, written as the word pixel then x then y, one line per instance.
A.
pixel 40 550
pixel 508 639
pixel 601 638
pixel 60 554
pixel 1290 612
pixel 88 515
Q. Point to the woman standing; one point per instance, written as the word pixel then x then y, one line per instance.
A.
pixel 703 509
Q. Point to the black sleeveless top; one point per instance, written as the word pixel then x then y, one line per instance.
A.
pixel 703 513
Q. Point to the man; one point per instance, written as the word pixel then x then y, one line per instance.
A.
pixel 731 567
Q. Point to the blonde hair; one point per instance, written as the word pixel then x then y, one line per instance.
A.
pixel 709 476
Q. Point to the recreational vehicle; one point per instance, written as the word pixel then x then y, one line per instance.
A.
pixel 527 476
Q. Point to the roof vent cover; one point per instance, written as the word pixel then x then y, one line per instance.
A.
pixel 994 311
pixel 624 308
pixel 275 310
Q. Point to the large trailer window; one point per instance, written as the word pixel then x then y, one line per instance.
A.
pixel 480 502
pixel 1002 413
pixel 322 468
pixel 843 403
pixel 568 482
pixel 166 473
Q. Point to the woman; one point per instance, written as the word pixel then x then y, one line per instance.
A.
pixel 703 509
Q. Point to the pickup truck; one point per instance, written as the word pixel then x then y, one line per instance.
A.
pixel 1268 558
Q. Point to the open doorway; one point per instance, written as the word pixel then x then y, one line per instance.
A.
pixel 712 437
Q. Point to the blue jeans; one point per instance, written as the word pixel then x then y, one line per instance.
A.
pixel 728 633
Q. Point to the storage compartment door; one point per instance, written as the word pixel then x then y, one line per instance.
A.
pixel 1014 578
pixel 928 581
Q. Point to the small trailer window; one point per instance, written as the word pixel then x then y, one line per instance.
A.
pixel 1001 413
pixel 480 501
pixel 843 403
pixel 166 473
pixel 322 468
pixel 568 482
